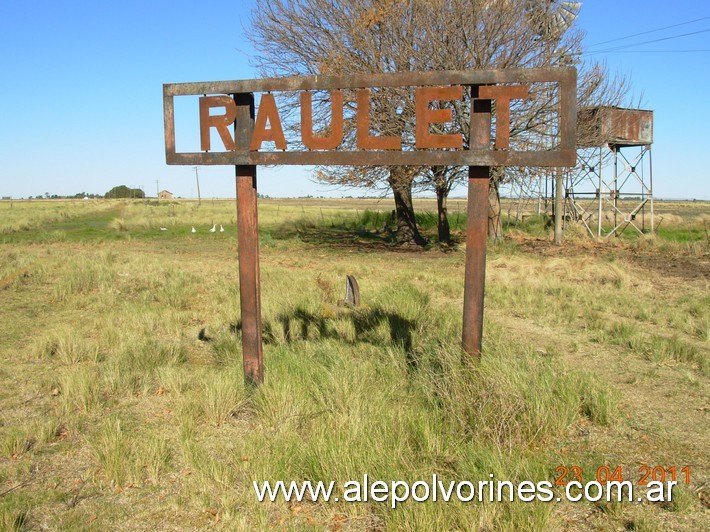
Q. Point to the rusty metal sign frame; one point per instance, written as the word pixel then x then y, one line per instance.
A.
pixel 479 157
pixel 565 155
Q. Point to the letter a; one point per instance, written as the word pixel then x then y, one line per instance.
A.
pixel 268 111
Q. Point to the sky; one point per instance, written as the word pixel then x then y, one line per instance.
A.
pixel 81 91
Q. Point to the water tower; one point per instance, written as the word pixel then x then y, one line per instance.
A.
pixel 611 189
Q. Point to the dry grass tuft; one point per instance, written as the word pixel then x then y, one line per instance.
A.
pixel 118 224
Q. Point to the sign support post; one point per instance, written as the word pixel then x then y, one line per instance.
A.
pixel 248 247
pixel 475 272
pixel 476 229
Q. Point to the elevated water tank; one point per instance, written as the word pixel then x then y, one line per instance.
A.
pixel 615 126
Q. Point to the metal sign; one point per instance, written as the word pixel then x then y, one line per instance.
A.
pixel 259 138
pixel 500 86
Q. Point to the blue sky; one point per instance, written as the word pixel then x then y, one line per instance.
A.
pixel 81 90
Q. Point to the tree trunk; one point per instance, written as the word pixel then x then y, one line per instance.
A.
pixel 443 219
pixel 401 183
pixel 495 221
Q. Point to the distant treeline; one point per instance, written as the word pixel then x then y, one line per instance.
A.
pixel 78 195
pixel 122 191
pixel 119 192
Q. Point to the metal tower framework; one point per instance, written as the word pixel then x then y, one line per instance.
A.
pixel 611 190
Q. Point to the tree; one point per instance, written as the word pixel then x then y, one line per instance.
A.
pixel 122 191
pixel 297 37
pixel 442 179
pixel 499 34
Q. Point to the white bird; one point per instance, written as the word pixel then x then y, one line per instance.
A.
pixel 163 228
pixel 194 230
pixel 214 228
pixel 221 229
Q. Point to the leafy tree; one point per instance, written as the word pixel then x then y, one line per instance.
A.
pixel 122 192
pixel 301 37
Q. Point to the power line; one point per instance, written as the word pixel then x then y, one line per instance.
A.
pixel 649 51
pixel 649 31
pixel 622 47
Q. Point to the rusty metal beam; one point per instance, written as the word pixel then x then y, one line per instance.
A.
pixel 476 231
pixel 564 75
pixel 567 134
pixel 475 271
pixel 381 158
pixel 248 250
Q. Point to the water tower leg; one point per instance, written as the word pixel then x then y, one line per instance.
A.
pixel 600 192
pixel 650 187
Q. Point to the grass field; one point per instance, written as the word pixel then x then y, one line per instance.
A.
pixel 122 402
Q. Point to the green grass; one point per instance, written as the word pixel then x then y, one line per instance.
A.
pixel 683 234
pixel 114 413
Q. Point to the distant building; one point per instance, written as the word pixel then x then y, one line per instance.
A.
pixel 164 194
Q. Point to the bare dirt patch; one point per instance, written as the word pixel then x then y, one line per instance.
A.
pixel 662 261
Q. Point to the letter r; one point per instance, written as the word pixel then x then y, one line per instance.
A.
pixel 219 122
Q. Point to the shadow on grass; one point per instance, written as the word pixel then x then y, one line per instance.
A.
pixel 301 324
pixel 346 236
pixel 335 235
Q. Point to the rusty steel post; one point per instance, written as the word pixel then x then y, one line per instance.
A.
pixel 475 276
pixel 248 247
pixel 476 230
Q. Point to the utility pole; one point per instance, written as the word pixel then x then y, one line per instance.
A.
pixel 197 178
pixel 157 189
